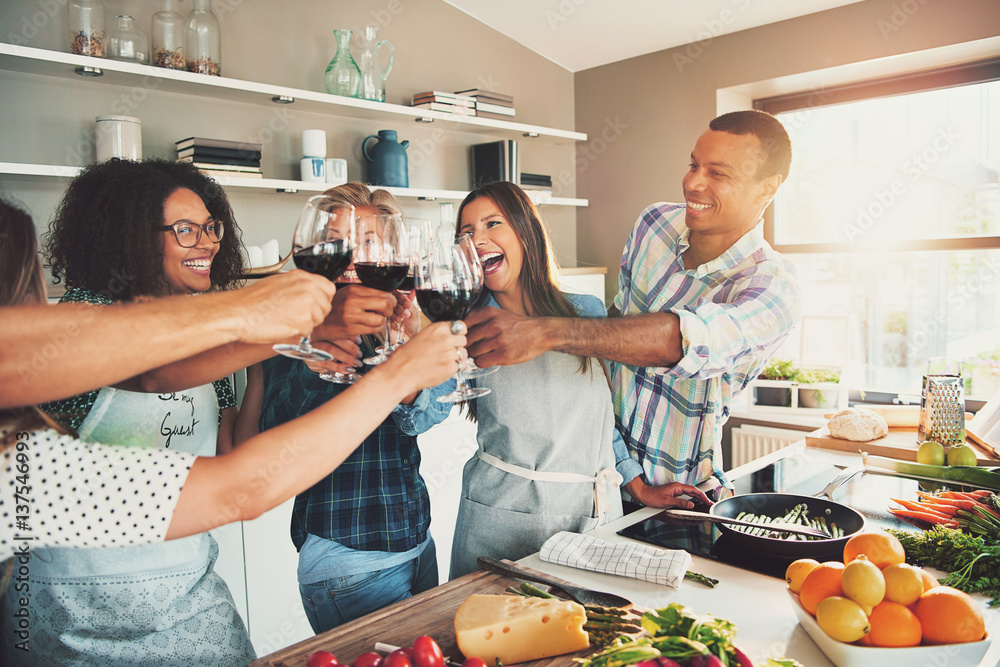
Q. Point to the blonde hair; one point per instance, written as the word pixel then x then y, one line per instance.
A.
pixel 360 195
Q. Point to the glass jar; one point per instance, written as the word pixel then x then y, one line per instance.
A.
pixel 126 42
pixel 168 36
pixel 203 40
pixel 86 28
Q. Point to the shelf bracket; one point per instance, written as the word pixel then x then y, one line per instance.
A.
pixel 87 70
pixel 423 119
pixel 282 99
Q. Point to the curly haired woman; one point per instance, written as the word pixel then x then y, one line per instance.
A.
pixel 123 231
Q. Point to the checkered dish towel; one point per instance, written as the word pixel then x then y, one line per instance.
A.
pixel 626 559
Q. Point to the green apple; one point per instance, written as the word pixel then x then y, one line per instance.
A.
pixel 962 455
pixel 931 453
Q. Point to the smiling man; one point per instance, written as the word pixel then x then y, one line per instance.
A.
pixel 703 300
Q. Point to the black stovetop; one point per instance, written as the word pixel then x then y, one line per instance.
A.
pixel 867 493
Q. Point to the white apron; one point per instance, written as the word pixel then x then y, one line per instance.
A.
pixel 159 603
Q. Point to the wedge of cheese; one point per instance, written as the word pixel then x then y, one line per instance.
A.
pixel 513 629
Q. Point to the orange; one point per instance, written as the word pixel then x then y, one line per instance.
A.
pixel 797 571
pixel 893 624
pixel 903 583
pixel 881 548
pixel 949 616
pixel 821 583
pixel 929 581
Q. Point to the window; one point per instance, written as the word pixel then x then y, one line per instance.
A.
pixel 892 216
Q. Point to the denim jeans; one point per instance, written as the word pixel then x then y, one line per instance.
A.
pixel 336 601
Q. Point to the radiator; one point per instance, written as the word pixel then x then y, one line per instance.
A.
pixel 751 442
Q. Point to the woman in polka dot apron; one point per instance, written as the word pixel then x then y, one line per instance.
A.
pixel 118 222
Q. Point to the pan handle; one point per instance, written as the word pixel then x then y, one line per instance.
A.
pixel 838 481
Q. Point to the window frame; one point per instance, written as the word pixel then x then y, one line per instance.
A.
pixel 978 71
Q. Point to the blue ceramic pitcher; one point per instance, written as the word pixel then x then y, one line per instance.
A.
pixel 386 160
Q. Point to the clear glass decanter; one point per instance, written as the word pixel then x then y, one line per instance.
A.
pixel 373 75
pixel 343 77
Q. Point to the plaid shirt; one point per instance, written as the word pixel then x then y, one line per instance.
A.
pixel 375 500
pixel 734 313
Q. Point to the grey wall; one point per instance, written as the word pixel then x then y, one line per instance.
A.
pixel 289 43
pixel 644 114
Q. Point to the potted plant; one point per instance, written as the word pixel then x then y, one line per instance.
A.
pixel 777 370
pixel 817 397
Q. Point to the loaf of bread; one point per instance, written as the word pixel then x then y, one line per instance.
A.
pixel 858 424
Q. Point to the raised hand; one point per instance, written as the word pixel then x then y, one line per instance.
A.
pixel 356 310
pixel 430 357
pixel 280 307
pixel 502 338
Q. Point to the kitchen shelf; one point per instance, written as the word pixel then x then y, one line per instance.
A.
pixel 30 60
pixel 279 185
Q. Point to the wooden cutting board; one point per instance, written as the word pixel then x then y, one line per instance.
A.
pixel 901 443
pixel 430 613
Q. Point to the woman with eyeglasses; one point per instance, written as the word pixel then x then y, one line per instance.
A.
pixel 123 231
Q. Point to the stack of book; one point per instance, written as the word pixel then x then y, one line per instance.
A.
pixel 489 104
pixel 495 161
pixel 445 102
pixel 219 157
pixel 536 182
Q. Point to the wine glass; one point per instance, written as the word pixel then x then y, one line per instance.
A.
pixel 322 244
pixel 414 228
pixel 446 290
pixel 381 259
pixel 468 247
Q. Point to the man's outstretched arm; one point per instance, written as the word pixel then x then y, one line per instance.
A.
pixel 501 338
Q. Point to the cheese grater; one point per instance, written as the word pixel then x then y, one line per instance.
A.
pixel 942 410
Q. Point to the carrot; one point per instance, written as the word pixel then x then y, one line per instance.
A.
pixel 930 518
pixel 922 507
pixel 958 495
pixel 938 501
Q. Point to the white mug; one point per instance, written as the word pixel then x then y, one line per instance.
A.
pixel 336 171
pixel 313 143
pixel 118 136
pixel 313 169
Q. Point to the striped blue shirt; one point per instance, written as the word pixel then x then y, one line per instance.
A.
pixel 734 313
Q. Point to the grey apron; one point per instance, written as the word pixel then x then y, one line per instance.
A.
pixel 545 461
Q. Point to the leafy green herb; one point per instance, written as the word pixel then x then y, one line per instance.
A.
pixel 974 562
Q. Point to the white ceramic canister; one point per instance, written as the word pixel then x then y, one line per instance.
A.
pixel 118 136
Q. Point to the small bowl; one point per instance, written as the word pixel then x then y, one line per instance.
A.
pixel 851 655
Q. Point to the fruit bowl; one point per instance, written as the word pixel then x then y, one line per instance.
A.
pixel 851 655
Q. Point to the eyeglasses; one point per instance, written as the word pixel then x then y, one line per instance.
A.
pixel 188 234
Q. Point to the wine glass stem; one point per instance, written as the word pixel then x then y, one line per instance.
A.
pixel 459 379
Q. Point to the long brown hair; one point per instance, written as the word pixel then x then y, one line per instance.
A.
pixel 539 277
pixel 21 281
pixel 21 278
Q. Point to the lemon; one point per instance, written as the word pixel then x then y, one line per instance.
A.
pixel 842 619
pixel 931 453
pixel 962 455
pixel 797 571
pixel 903 583
pixel 863 582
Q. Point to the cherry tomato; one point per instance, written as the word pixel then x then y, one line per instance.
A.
pixel 370 659
pixel 321 659
pixel 427 653
pixel 397 658
pixel 474 662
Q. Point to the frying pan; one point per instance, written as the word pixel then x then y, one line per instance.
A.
pixel 777 504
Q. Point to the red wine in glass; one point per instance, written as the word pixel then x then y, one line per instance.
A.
pixel 328 259
pixel 445 304
pixel 385 277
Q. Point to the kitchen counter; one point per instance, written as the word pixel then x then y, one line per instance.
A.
pixel 759 605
